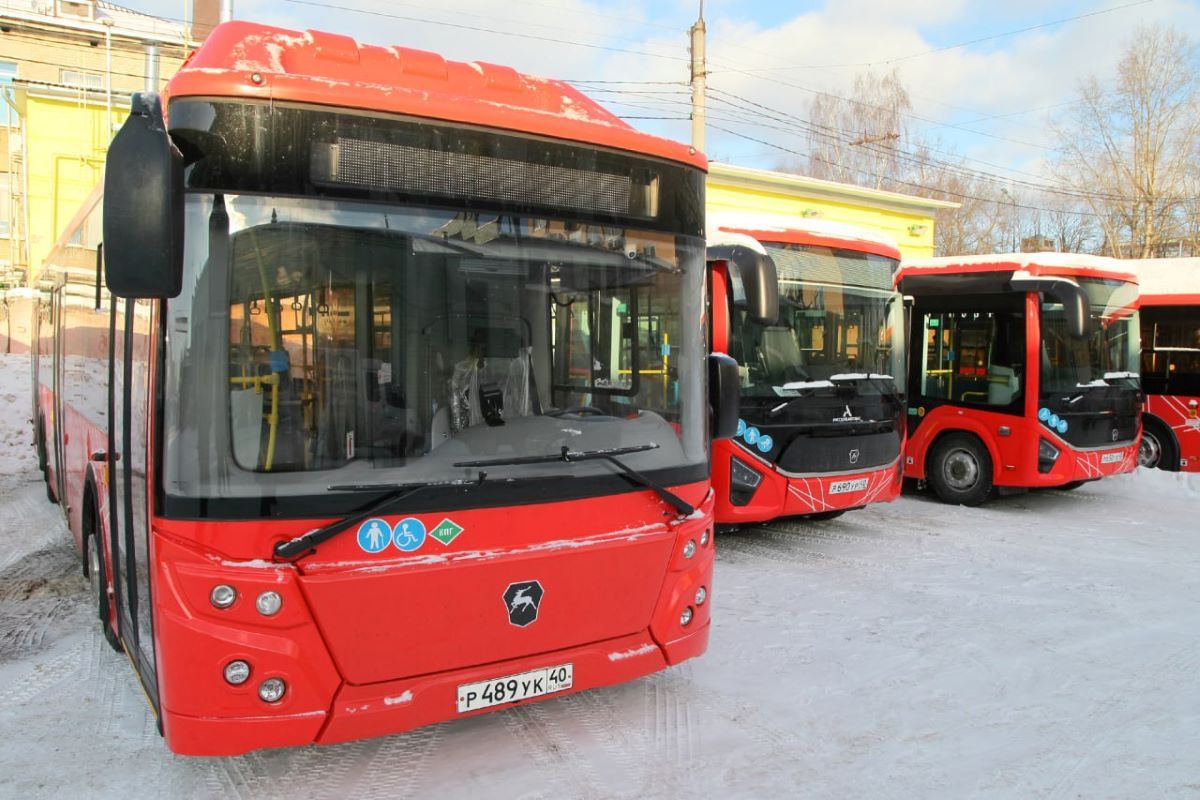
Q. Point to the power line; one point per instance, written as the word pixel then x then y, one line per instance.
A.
pixel 480 29
pixel 813 127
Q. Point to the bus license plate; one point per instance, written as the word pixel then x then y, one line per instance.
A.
pixel 511 688
pixel 842 487
pixel 1111 458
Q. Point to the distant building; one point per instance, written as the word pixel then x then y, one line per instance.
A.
pixel 907 219
pixel 67 70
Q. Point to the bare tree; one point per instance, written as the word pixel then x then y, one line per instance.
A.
pixel 857 139
pixel 1131 147
pixel 1069 224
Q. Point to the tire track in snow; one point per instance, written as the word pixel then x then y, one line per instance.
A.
pixel 1113 715
pixel 786 546
pixel 565 772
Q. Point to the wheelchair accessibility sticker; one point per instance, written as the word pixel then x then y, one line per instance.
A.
pixel 409 534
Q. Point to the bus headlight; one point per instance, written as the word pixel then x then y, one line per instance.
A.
pixel 701 596
pixel 271 690
pixel 237 672
pixel 689 549
pixel 222 595
pixel 685 618
pixel 1047 455
pixel 268 603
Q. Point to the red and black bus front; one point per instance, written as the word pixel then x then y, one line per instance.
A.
pixel 821 427
pixel 433 431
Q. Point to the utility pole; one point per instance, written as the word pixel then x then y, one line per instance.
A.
pixel 698 74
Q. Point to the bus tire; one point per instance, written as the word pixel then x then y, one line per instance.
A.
pixel 823 516
pixel 97 575
pixel 1072 486
pixel 1157 449
pixel 960 470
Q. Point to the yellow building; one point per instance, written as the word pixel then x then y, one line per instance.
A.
pixel 67 70
pixel 907 219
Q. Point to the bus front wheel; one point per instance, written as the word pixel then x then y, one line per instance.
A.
pixel 960 470
pixel 99 582
pixel 1156 450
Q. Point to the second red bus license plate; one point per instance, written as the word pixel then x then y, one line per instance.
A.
pixel 509 689
pixel 841 487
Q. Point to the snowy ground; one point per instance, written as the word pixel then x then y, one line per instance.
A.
pixel 1047 645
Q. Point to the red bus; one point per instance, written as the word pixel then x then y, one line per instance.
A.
pixel 1023 372
pixel 1170 303
pixel 353 433
pixel 821 426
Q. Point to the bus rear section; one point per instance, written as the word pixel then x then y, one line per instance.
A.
pixel 821 425
pixel 1170 311
pixel 1023 372
pixel 416 425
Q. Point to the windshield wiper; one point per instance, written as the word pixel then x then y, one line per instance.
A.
pixel 567 455
pixel 293 549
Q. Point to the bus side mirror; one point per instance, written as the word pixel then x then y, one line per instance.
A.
pixel 1075 303
pixel 1075 308
pixel 760 280
pixel 723 395
pixel 143 206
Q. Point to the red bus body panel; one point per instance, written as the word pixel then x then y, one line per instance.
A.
pixel 782 495
pixel 356 632
pixel 1014 456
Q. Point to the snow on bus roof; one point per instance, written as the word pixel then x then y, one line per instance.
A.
pixel 1033 263
pixel 1166 277
pixel 247 61
pixel 761 225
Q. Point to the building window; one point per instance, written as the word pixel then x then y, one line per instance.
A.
pixel 8 72
pixel 84 80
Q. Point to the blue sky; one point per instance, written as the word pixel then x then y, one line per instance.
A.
pixel 777 54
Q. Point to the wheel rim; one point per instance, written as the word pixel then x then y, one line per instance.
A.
pixel 961 470
pixel 1149 450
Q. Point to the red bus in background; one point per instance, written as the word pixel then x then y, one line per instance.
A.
pixel 340 384
pixel 821 426
pixel 1023 372
pixel 1170 310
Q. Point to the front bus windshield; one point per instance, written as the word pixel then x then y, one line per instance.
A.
pixel 322 344
pixel 1091 383
pixel 839 335
pixel 1107 354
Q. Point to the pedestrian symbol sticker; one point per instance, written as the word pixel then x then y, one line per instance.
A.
pixel 409 534
pixel 446 531
pixel 374 535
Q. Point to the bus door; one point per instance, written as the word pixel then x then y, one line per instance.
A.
pixel 131 348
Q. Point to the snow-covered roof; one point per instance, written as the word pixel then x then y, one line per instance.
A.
pixel 758 224
pixel 1166 276
pixel 1033 263
pixel 718 237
